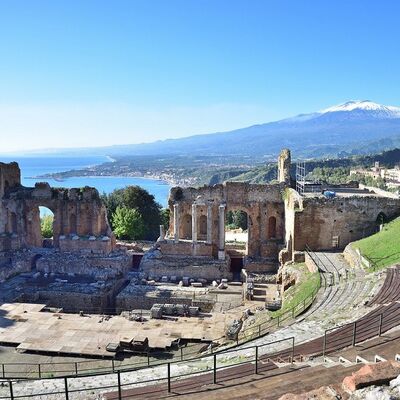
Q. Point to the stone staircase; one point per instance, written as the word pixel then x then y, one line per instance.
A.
pixel 260 292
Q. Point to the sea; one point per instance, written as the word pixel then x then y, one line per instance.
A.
pixel 32 167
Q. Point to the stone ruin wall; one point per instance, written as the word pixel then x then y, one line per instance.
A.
pixel 206 208
pixel 78 215
pixel 315 221
pixel 284 162
pixel 128 301
pixel 100 301
pixel 100 267
pixel 184 266
pixel 14 262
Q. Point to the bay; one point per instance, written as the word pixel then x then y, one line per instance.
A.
pixel 35 166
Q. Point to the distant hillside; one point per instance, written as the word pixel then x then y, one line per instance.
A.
pixel 355 127
pixel 267 173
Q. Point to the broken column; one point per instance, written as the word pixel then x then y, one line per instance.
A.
pixel 221 233
pixel 194 223
pixel 284 161
pixel 209 224
pixel 162 233
pixel 176 223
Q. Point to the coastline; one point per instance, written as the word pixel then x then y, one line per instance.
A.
pixel 164 180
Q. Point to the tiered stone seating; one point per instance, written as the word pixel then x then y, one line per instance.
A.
pixel 390 291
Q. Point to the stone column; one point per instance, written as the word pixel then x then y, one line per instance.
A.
pixel 209 224
pixel 162 233
pixel 176 223
pixel 221 233
pixel 194 223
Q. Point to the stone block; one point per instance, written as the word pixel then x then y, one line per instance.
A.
pixel 156 311
pixel 222 285
pixel 373 374
pixel 186 281
pixel 194 311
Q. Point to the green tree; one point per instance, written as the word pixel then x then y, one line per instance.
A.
pixel 240 219
pixel 236 219
pixel 165 215
pixel 137 198
pixel 46 226
pixel 128 223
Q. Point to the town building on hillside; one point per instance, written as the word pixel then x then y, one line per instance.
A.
pixel 390 175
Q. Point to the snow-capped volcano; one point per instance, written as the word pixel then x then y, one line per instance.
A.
pixel 374 109
pixel 349 128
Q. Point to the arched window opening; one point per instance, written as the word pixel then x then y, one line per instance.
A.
pixel 72 224
pixel 186 227
pixel 13 223
pixel 236 230
pixel 46 226
pixel 203 225
pixel 381 219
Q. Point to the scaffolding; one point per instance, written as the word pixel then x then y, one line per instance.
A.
pixel 300 176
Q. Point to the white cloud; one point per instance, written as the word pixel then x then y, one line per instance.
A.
pixel 26 127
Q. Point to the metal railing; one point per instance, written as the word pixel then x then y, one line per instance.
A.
pixel 93 367
pixel 210 364
pixel 333 340
pixel 284 351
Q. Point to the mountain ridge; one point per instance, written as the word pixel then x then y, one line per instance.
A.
pixel 328 132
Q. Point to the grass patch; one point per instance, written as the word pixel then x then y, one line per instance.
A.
pixel 383 248
pixel 306 285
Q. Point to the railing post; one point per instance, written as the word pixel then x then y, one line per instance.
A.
pixel 259 330
pixel 11 390
pixel 3 370
pixel 169 376
pixel 112 365
pixel 148 359
pixel 324 346
pixel 39 371
pixel 354 333
pixel 119 385
pixel 76 369
pixel 292 350
pixel 66 388
pixel 278 321
pixel 256 365
pixel 380 324
pixel 215 369
pixel 182 353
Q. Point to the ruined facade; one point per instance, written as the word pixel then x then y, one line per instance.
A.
pixel 197 225
pixel 80 221
pixel 280 220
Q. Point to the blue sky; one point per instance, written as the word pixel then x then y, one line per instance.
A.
pixel 86 73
